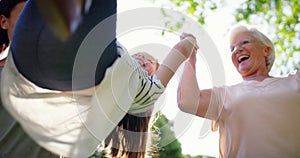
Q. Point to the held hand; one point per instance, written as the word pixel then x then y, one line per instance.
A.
pixel 178 54
pixel 184 35
pixel 192 59
pixel 187 45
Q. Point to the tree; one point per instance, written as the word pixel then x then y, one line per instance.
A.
pixel 198 9
pixel 169 145
pixel 283 17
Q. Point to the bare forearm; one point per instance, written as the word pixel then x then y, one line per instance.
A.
pixel 169 66
pixel 188 90
pixel 178 54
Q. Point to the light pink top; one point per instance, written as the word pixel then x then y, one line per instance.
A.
pixel 258 119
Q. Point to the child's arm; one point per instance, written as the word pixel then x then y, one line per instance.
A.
pixel 178 54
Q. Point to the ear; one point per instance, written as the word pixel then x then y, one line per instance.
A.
pixel 3 22
pixel 266 50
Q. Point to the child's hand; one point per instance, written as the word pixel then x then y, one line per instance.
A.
pixel 184 35
pixel 187 45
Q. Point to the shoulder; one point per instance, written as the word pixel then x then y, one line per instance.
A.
pixel 295 75
pixel 296 78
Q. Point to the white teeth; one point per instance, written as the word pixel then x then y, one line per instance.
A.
pixel 243 57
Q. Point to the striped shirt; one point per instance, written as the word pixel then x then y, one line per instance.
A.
pixel 149 87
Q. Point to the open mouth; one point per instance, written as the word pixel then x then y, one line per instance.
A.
pixel 243 58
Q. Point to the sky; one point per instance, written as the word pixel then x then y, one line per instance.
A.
pixel 186 127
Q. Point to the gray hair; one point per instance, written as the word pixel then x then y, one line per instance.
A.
pixel 263 39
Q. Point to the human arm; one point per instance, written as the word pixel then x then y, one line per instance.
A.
pixel 189 96
pixel 178 54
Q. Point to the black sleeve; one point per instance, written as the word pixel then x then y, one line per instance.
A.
pixel 79 62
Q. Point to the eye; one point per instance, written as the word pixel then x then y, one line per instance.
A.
pixel 245 42
pixel 150 61
pixel 231 49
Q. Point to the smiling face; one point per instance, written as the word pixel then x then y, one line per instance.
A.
pixel 147 62
pixel 249 55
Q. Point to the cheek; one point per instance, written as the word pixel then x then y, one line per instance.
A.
pixel 234 60
pixel 146 67
pixel 257 54
pixel 150 69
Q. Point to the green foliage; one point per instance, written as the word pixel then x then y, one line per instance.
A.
pixel 197 9
pixel 99 154
pixel 283 19
pixel 281 16
pixel 170 146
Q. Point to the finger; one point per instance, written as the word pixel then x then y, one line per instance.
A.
pixel 192 40
pixel 184 35
pixel 196 46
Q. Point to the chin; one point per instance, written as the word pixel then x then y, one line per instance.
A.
pixel 243 74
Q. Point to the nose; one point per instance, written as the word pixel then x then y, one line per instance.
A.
pixel 237 49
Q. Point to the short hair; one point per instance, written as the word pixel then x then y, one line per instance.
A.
pixel 6 6
pixel 260 37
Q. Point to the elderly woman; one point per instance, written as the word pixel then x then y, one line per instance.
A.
pixel 258 117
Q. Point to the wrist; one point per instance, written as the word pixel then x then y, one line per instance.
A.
pixel 173 60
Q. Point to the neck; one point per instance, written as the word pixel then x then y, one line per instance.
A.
pixel 259 75
pixel 256 77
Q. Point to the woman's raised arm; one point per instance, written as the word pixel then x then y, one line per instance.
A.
pixel 189 96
